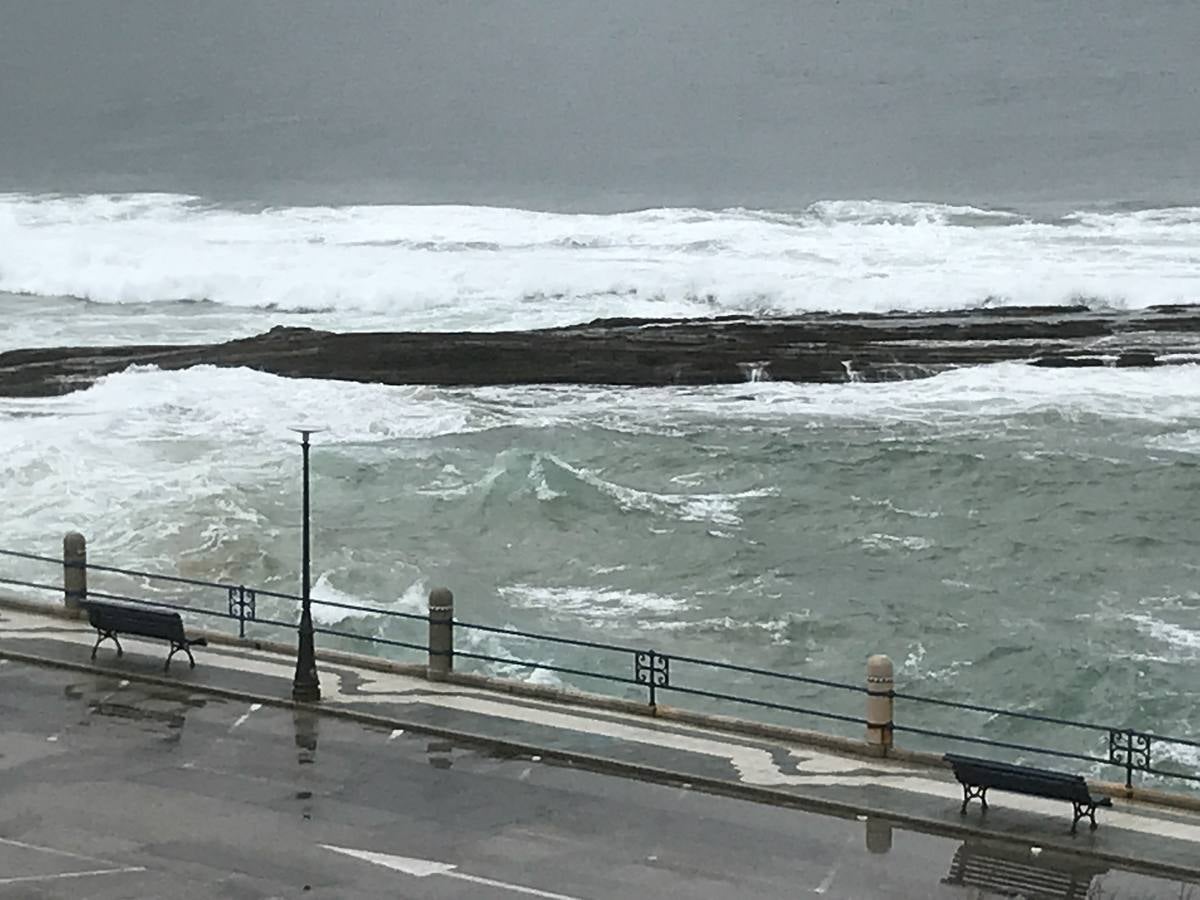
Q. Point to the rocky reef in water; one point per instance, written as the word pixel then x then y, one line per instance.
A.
pixel 817 347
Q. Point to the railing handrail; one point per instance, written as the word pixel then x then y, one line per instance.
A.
pixel 999 711
pixel 553 639
pixel 751 670
pixel 1037 717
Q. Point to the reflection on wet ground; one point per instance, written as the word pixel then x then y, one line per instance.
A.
pixel 307 725
pixel 153 708
pixel 440 754
pixel 1013 871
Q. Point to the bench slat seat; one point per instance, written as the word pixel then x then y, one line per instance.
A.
pixel 111 619
pixel 977 776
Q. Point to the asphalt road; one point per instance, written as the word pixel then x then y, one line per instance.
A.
pixel 111 789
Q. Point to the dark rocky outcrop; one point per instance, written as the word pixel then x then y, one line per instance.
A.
pixel 814 348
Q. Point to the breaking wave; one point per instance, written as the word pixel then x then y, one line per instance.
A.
pixel 485 268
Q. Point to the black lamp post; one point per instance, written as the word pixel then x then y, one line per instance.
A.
pixel 306 687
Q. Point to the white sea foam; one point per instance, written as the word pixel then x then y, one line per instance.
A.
pixel 894 542
pixel 436 267
pixel 720 509
pixel 142 436
pixel 253 409
pixel 886 503
pixel 1175 636
pixel 1168 397
pixel 143 448
pixel 593 604
pixel 776 629
pixel 168 465
pixel 1184 441
pixel 1183 754
pixel 324 592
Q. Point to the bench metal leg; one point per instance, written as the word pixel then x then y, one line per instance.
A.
pixel 175 648
pixel 970 793
pixel 1083 810
pixel 105 636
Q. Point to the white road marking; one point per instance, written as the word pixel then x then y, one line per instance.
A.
pixel 515 888
pixel 53 852
pixel 254 707
pixel 826 882
pixel 423 868
pixel 25 879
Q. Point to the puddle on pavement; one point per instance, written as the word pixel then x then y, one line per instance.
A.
pixel 78 690
pixel 158 710
pixel 989 868
pixel 1009 869
pixel 136 713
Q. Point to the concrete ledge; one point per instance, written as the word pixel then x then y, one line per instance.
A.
pixel 565 696
pixel 341 657
pixel 1165 799
pixel 41 609
pixel 708 721
pixel 606 765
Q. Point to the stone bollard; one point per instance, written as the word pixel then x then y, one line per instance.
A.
pixel 441 633
pixel 74 569
pixel 880 683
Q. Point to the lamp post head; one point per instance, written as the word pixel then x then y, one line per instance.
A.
pixel 305 430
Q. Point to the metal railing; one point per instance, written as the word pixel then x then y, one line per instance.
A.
pixel 1127 748
pixel 648 672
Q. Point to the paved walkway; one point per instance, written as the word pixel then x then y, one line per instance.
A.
pixel 1131 834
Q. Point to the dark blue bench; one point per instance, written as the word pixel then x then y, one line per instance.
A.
pixel 111 619
pixel 977 776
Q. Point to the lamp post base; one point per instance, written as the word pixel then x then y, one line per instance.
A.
pixel 306 693
pixel 306 685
